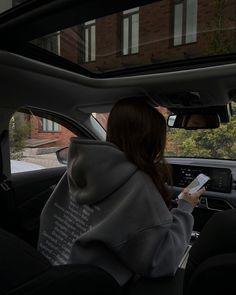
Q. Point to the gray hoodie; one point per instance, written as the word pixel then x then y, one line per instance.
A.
pixel 106 212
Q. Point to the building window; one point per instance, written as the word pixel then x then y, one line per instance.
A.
pixel 185 22
pixel 49 126
pixel 130 30
pixel 50 42
pixel 90 41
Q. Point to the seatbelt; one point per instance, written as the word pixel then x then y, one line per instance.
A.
pixel 3 179
pixel 7 204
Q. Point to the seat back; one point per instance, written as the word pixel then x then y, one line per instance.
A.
pixel 69 279
pixel 212 259
pixel 25 271
pixel 216 275
pixel 19 262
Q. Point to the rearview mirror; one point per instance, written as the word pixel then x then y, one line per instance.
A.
pixel 194 121
pixel 62 155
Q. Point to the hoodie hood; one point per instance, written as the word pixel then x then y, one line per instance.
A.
pixel 95 170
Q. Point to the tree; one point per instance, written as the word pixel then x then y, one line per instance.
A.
pixel 214 143
pixel 221 38
pixel 18 131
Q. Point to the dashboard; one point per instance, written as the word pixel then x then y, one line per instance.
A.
pixel 220 190
pixel 220 178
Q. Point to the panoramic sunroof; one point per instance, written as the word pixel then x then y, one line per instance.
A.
pixel 157 33
pixel 8 4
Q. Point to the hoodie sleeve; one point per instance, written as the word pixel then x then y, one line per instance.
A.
pixel 158 250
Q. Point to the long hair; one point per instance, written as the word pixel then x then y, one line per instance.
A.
pixel 139 130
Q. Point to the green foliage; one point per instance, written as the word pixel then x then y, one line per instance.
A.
pixel 213 143
pixel 222 40
pixel 19 131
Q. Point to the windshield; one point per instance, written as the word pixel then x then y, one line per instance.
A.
pixel 160 33
pixel 214 143
pixel 217 143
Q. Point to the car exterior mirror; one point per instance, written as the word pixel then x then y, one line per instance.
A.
pixel 62 155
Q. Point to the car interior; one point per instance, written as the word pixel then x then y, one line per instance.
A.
pixel 39 83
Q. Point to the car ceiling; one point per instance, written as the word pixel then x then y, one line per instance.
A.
pixel 43 85
pixel 28 82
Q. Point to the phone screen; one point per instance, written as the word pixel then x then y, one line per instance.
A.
pixel 196 184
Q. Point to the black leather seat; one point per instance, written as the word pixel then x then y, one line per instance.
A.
pixel 216 275
pixel 23 270
pixel 211 266
pixel 156 286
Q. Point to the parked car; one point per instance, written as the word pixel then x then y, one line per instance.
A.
pixel 64 64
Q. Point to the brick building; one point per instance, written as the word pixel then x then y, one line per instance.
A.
pixel 46 133
pixel 161 32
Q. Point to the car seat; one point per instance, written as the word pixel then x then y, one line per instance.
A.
pixel 23 270
pixel 211 265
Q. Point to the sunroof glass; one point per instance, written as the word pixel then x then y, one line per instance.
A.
pixel 8 4
pixel 157 33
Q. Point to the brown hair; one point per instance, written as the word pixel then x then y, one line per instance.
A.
pixel 139 130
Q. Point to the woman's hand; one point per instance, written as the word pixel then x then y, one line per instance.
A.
pixel 193 198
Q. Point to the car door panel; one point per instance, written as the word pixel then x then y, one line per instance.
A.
pixel 31 191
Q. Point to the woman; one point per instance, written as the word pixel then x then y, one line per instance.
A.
pixel 112 208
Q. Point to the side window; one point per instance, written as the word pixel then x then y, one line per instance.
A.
pixel 34 141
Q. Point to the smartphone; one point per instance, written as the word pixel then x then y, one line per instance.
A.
pixel 196 184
